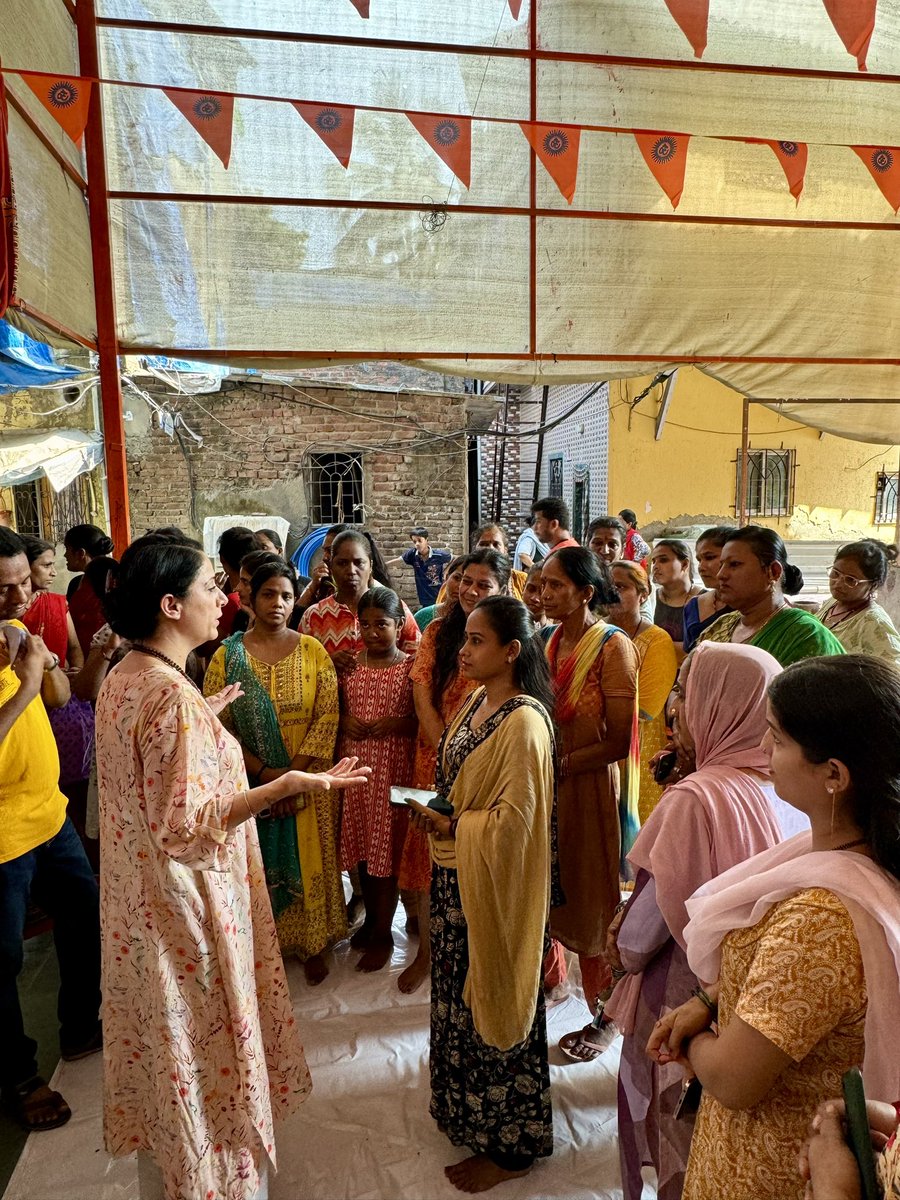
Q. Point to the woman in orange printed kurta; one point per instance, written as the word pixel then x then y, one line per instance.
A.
pixel 594 669
pixel 200 1047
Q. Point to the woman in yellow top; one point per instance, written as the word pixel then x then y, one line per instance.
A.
pixel 490 900
pixel 287 719
pixel 656 674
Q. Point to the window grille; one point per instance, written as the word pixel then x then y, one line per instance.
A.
pixel 770 490
pixel 556 475
pixel 27 506
pixel 76 504
pixel 886 487
pixel 336 489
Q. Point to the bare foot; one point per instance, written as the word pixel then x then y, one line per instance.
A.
pixel 315 970
pixel 360 939
pixel 479 1174
pixel 414 975
pixel 377 955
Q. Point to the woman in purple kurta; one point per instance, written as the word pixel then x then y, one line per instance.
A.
pixel 720 815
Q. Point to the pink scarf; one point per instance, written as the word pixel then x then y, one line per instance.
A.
pixel 719 816
pixel 742 896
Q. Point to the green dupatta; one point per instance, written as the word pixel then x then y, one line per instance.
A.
pixel 256 724
pixel 793 635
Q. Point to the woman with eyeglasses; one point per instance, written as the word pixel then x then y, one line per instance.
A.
pixel 852 615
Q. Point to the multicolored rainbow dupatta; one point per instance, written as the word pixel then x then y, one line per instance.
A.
pixel 569 679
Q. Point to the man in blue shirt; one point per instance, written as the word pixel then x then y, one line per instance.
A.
pixel 428 565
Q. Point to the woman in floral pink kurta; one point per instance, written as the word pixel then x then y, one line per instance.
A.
pixel 200 1045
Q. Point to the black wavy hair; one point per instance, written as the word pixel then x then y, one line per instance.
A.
pixel 274 537
pixel 871 556
pixel 380 573
pixel 150 569
pixel 584 569
pixel 11 544
pixel 847 707
pixel 35 547
pixel 258 558
pixel 236 543
pixel 717 534
pixel 387 600
pixel 89 538
pixel 768 547
pixel 511 621
pixel 553 508
pixel 606 523
pixel 451 632
pixel 476 536
pixel 276 568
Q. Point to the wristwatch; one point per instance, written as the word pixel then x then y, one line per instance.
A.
pixel 54 664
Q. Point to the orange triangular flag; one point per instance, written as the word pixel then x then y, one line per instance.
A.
pixel 666 156
pixel 854 21
pixel 557 149
pixel 334 125
pixel 65 97
pixel 211 114
pixel 361 6
pixel 515 7
pixel 451 138
pixel 884 166
pixel 793 157
pixel 693 21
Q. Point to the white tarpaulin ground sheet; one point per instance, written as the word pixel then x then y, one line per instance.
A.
pixel 365 1133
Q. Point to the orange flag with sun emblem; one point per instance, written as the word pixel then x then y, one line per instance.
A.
pixel 65 98
pixel 557 148
pixel 693 21
pixel 854 21
pixel 793 157
pixel 211 114
pixel 884 167
pixel 361 6
pixel 515 7
pixel 451 139
pixel 666 156
pixel 334 125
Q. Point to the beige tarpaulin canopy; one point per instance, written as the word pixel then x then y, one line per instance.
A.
pixel 289 254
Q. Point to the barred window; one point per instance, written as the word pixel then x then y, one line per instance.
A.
pixel 886 487
pixel 336 489
pixel 555 483
pixel 770 485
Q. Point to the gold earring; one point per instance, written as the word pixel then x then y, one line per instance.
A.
pixel 830 792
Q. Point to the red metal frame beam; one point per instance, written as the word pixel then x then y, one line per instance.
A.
pixel 23 112
pixel 587 214
pixel 532 180
pixel 70 9
pixel 104 293
pixel 485 51
pixel 198 353
pixel 51 323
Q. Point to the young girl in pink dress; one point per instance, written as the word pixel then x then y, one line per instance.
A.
pixel 378 723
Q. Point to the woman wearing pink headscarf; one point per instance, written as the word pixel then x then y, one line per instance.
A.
pixel 802 941
pixel 723 813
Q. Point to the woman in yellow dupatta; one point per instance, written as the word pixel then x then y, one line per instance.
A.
pixel 594 668
pixel 287 719
pixel 490 898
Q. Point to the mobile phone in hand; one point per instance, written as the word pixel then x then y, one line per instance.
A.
pixel 689 1101
pixel 665 766
pixel 858 1132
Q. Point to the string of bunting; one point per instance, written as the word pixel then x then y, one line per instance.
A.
pixel 557 146
pixel 853 21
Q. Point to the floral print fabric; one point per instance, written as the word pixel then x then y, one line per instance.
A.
pixel 201 1050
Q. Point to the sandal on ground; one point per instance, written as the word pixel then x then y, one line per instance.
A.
pixel 24 1103
pixel 587 1044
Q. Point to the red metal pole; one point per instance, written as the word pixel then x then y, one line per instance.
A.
pixel 104 294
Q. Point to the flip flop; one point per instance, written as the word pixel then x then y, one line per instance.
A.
pixel 579 1047
pixel 18 1103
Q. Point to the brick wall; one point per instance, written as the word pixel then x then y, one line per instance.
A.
pixel 255 440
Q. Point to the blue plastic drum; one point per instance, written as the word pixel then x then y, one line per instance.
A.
pixel 303 556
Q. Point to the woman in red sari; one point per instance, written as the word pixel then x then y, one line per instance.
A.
pixel 85 545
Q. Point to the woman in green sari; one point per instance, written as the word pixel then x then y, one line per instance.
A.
pixel 287 719
pixel 755 579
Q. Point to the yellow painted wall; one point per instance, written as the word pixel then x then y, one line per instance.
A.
pixel 689 475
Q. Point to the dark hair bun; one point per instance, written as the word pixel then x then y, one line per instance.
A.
pixel 891 553
pixel 792 580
